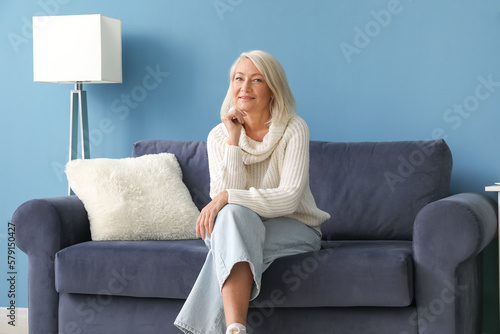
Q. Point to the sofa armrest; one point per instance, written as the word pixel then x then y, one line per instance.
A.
pixel 43 227
pixel 51 224
pixel 448 235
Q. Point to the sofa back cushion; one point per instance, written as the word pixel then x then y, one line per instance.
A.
pixel 372 190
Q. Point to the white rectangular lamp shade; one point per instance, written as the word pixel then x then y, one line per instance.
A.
pixel 77 48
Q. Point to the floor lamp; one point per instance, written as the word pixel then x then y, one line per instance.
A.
pixel 77 49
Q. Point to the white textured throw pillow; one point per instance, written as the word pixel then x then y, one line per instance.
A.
pixel 140 198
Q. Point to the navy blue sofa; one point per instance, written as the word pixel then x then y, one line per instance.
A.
pixel 399 256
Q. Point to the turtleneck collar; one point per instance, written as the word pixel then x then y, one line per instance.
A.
pixel 254 151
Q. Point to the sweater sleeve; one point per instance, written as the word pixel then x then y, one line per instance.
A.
pixel 225 164
pixel 285 199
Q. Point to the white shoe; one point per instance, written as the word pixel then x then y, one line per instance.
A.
pixel 236 329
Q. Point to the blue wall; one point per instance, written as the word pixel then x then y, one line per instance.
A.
pixel 378 70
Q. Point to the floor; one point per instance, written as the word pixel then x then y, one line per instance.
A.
pixel 21 326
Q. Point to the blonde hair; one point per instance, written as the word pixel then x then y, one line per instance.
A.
pixel 282 105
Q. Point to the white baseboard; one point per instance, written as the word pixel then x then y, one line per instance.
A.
pixel 21 315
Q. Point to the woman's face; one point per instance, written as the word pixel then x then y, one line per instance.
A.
pixel 250 91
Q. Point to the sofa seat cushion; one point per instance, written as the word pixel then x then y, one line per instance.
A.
pixel 343 274
pixel 166 268
pixel 347 273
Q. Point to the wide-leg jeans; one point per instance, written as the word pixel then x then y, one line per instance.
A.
pixel 240 235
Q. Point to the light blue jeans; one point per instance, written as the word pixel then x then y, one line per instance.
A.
pixel 239 235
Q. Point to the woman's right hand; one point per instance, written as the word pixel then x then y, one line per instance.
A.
pixel 206 219
pixel 233 121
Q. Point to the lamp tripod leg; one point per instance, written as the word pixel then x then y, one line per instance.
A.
pixel 73 130
pixel 84 125
pixel 78 110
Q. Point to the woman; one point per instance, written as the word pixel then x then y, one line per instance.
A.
pixel 262 207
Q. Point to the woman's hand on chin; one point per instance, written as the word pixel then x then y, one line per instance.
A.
pixel 233 121
pixel 205 222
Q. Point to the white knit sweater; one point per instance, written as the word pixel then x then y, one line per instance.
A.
pixel 270 177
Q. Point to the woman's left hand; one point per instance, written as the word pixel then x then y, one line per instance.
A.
pixel 205 222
